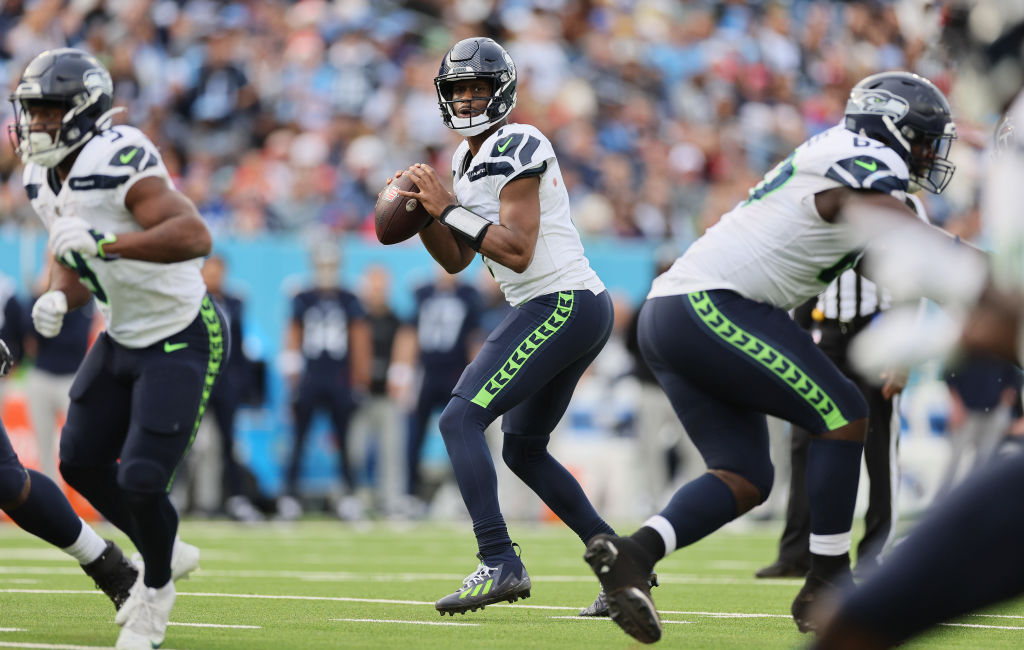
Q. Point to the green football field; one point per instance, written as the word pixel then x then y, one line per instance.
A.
pixel 323 584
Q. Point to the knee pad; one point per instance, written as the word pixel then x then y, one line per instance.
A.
pixel 143 476
pixel 12 482
pixel 518 451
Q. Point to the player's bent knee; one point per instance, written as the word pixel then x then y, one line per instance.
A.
pixel 855 431
pixel 749 490
pixel 518 451
pixel 15 485
pixel 459 416
pixel 143 476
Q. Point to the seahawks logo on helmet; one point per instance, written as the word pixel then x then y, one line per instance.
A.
pixel 882 102
pixel 98 79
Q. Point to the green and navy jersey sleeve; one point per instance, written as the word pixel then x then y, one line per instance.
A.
pixel 121 157
pixel 858 162
pixel 867 172
pixel 513 151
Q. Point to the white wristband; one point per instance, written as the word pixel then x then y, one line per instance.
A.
pixel 471 226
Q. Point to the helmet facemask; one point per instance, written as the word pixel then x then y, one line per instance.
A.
pixel 479 120
pixel 929 165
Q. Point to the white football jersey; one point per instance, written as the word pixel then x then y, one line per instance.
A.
pixel 774 247
pixel 514 151
pixel 1001 197
pixel 142 302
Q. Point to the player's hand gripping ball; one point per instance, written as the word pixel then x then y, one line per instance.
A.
pixel 397 218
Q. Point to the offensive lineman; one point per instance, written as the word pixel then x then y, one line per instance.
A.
pixel 715 332
pixel 971 538
pixel 511 206
pixel 124 235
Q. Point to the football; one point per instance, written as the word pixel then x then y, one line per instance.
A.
pixel 397 218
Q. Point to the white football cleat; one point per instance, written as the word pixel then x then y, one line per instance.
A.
pixel 184 560
pixel 144 617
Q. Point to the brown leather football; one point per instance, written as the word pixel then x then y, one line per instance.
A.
pixel 397 218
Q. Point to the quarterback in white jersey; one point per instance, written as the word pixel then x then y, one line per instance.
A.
pixel 123 235
pixel 511 206
pixel 716 333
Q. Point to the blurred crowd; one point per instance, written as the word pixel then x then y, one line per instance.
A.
pixel 276 115
pixel 280 116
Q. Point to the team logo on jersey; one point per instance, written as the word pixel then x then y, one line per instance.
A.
pixel 131 156
pixel 882 102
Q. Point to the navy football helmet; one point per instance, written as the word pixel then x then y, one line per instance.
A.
pixel 477 58
pixel 910 115
pixel 72 80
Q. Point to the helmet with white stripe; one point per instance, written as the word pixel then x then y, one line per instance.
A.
pixel 476 58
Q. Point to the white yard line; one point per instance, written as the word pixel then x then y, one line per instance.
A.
pixel 232 627
pixel 12 629
pixel 998 615
pixel 354 576
pixel 987 627
pixel 389 601
pixel 603 618
pixel 390 620
pixel 384 601
pixel 53 646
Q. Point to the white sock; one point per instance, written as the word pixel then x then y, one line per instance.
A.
pixel 664 528
pixel 88 547
pixel 836 544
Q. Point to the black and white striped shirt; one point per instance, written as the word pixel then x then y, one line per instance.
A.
pixel 851 295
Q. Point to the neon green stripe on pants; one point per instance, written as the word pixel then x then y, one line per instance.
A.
pixel 768 357
pixel 530 344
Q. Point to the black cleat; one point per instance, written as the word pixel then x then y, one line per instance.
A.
pixel 600 605
pixel 624 570
pixel 808 603
pixel 486 586
pixel 780 569
pixel 113 573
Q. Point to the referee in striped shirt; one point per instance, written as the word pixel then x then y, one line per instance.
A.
pixel 833 319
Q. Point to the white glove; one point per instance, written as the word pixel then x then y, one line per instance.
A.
pixel 48 313
pixel 6 359
pixel 74 234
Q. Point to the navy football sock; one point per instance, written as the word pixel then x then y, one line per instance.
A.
pixel 462 427
pixel 833 472
pixel 46 513
pixel 529 458
pixel 157 523
pixel 696 510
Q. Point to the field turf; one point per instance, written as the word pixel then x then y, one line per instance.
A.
pixel 322 584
